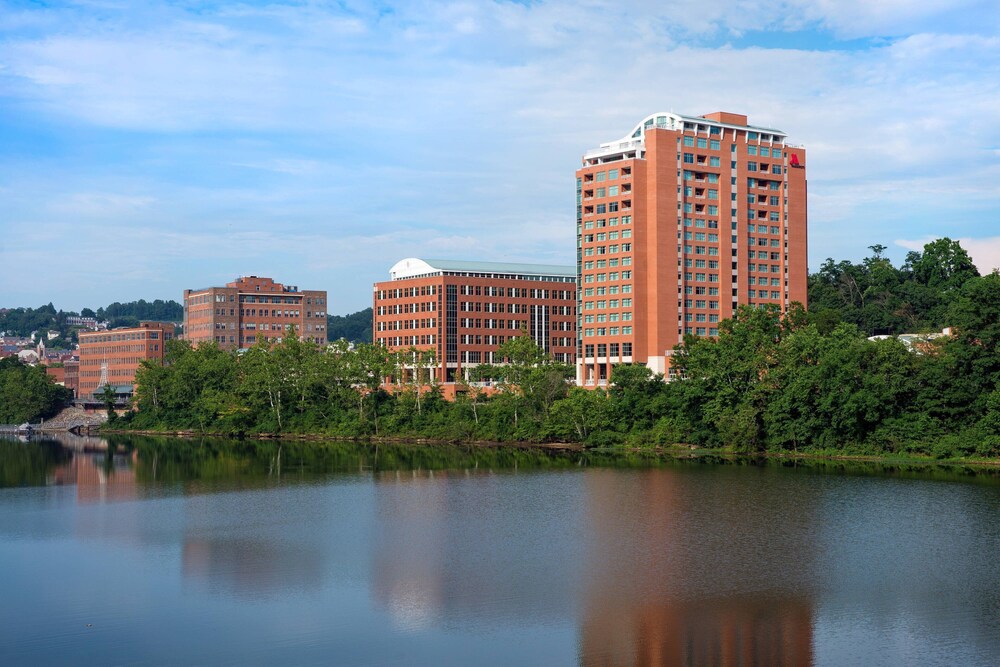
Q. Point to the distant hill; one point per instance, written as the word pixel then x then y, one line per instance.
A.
pixel 158 310
pixel 23 321
pixel 356 327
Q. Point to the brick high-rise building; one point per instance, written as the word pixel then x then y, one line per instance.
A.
pixel 251 309
pixel 464 311
pixel 113 356
pixel 678 223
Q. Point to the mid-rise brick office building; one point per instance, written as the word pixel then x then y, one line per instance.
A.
pixel 465 310
pixel 252 309
pixel 679 223
pixel 112 357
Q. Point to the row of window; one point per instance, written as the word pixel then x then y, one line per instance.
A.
pixel 700 317
pixel 402 308
pixel 250 340
pixel 701 303
pixel 701 236
pixel 607 317
pixel 612 249
pixel 611 275
pixel 764 254
pixel 266 312
pixel 608 222
pixel 114 337
pixel 400 341
pixel 764 268
pixel 607 349
pixel 114 349
pixel 763 229
pixel 296 300
pixel 607 303
pixel 606 263
pixel 398 325
pixel 608 236
pixel 610 207
pixel 406 292
pixel 608 331
pixel 610 191
pixel 762 294
pixel 611 289
pixel 609 175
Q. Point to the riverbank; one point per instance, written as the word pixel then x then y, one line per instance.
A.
pixel 677 451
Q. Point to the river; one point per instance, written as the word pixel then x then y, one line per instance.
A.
pixel 222 552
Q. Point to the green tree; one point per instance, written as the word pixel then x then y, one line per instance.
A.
pixel 27 393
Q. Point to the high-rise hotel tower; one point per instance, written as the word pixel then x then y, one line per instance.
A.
pixel 678 223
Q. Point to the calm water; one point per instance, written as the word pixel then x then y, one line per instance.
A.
pixel 226 553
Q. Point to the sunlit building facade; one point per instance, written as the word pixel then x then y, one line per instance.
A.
pixel 678 224
pixel 112 357
pixel 463 311
pixel 252 309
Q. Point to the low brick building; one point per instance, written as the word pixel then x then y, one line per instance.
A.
pixel 113 356
pixel 463 311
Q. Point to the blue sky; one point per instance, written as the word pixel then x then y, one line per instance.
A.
pixel 146 148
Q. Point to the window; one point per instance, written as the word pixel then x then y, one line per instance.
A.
pixel 751 166
pixel 751 150
pixel 601 192
pixel 689 141
pixel 601 175
pixel 714 162
pixel 702 142
pixel 689 158
pixel 714 143
pixel 612 174
pixel 613 191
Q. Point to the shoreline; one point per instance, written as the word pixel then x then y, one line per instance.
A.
pixel 678 451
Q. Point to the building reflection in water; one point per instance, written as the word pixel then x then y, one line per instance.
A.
pixel 678 580
pixel 658 567
pixel 474 548
pixel 97 478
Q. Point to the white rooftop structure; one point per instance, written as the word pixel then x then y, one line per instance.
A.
pixel 414 267
pixel 633 145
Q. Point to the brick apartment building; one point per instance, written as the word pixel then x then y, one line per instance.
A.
pixel 678 223
pixel 464 311
pixel 114 356
pixel 251 309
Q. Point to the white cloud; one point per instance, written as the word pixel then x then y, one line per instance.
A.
pixel 455 128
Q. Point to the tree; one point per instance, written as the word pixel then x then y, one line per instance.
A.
pixel 27 393
pixel 110 399
pixel 529 376
pixel 944 265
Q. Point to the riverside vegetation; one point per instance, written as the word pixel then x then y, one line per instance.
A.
pixel 801 382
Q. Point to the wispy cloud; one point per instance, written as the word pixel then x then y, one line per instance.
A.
pixel 327 140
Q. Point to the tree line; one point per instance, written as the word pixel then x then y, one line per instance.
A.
pixel 801 381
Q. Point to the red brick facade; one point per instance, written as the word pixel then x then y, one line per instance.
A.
pixel 121 351
pixel 464 311
pixel 251 309
pixel 678 224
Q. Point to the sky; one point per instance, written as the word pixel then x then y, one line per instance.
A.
pixel 151 147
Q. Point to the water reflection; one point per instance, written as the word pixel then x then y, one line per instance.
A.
pixel 685 573
pixel 476 546
pixel 448 555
